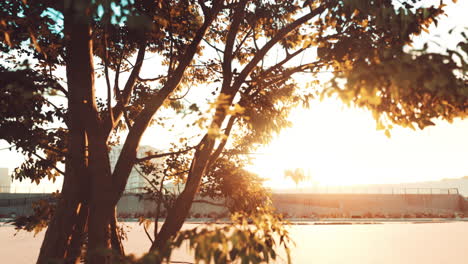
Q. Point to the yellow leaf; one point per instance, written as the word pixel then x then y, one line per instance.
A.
pixel 387 133
pixel 7 39
pixel 379 126
pixel 355 13
pixel 34 40
pixel 364 23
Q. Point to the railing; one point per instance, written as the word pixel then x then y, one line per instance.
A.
pixel 318 189
pixel 372 190
pixel 24 201
pixel 39 189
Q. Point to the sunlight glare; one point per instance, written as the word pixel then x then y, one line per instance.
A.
pixel 340 146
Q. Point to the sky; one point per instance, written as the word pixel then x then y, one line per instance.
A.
pixel 340 146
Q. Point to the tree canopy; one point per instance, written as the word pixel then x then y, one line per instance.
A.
pixel 80 76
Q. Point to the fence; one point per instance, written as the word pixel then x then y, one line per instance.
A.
pixel 24 201
pixel 319 189
pixel 374 190
pixel 43 189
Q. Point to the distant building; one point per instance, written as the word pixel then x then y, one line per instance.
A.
pixel 136 182
pixel 5 181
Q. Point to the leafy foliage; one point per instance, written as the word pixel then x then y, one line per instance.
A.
pixel 42 212
pixel 241 189
pixel 248 238
pixel 26 119
pixel 400 86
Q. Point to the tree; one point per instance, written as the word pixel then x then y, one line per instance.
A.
pixel 298 175
pixel 240 56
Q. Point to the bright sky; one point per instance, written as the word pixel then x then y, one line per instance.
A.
pixel 340 146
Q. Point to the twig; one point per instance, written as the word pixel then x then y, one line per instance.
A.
pixel 146 178
pixel 158 207
pixel 160 155
pixel 150 79
pixel 147 233
pixel 51 165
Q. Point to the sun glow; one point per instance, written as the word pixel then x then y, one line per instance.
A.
pixel 339 146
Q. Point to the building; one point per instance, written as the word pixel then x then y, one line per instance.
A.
pixel 5 181
pixel 136 181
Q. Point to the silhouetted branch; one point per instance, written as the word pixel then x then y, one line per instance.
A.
pixel 50 164
pixel 150 79
pixel 222 144
pixel 160 155
pixel 273 41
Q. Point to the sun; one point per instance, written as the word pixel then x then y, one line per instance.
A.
pixel 318 143
pixel 340 146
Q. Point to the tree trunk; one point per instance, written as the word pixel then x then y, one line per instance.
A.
pixel 116 239
pixel 102 206
pixel 64 236
pixel 69 219
pixel 74 189
pixel 174 221
pixel 59 232
pixel 178 213
pixel 99 245
pixel 74 252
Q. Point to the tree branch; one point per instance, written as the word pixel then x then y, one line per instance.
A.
pixel 222 144
pixel 124 97
pixel 53 149
pixel 128 154
pixel 106 73
pixel 213 46
pixel 273 41
pixel 182 96
pixel 59 87
pixel 51 165
pixel 147 233
pixel 276 66
pixel 158 207
pixel 230 40
pixel 242 42
pixel 160 155
pixel 127 120
pixel 144 177
pixel 150 79
pixel 116 78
